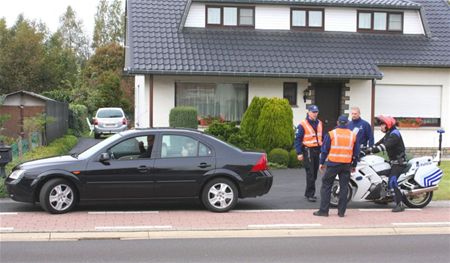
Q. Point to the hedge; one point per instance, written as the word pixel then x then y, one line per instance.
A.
pixel 183 117
pixel 59 146
pixel 77 119
pixel 279 156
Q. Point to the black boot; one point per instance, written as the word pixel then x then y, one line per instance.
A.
pixel 398 208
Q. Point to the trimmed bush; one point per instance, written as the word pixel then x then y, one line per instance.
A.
pixel 293 161
pixel 183 117
pixel 279 156
pixel 249 121
pixel 229 132
pixel 275 128
pixel 77 118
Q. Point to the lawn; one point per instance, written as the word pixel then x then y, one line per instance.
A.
pixel 443 193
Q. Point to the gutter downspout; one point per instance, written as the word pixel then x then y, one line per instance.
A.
pixel 372 106
pixel 151 102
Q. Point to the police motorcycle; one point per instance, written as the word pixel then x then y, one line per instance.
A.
pixel 369 181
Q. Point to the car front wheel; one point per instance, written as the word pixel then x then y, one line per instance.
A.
pixel 220 195
pixel 57 196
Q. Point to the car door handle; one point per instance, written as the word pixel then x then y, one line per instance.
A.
pixel 204 165
pixel 143 169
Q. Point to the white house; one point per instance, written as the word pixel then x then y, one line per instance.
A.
pixel 385 56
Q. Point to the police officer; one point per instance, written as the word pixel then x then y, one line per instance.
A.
pixel 361 127
pixel 392 143
pixel 340 151
pixel 308 140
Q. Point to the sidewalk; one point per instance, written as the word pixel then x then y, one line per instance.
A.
pixel 40 226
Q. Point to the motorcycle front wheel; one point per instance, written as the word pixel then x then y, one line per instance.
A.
pixel 335 189
pixel 418 201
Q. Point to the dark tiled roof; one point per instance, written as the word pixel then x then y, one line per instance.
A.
pixel 347 3
pixel 157 46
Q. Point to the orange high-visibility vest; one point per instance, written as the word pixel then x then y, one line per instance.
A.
pixel 342 143
pixel 311 138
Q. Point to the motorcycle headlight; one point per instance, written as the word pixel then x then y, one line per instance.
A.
pixel 16 174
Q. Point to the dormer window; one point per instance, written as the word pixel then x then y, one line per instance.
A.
pixel 230 16
pixel 370 21
pixel 308 19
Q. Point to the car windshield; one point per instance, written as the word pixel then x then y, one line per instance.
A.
pixel 109 113
pixel 92 150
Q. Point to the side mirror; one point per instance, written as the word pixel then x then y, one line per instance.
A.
pixel 104 158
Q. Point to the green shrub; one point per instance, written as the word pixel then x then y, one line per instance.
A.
pixel 279 156
pixel 183 117
pixel 59 146
pixel 77 121
pixel 229 132
pixel 249 121
pixel 276 166
pixel 275 128
pixel 293 161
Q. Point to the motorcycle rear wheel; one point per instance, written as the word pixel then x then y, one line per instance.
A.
pixel 419 201
pixel 335 193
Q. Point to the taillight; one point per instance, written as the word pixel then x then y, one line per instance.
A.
pixel 95 122
pixel 124 121
pixel 261 165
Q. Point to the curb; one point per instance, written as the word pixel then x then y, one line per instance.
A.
pixel 237 233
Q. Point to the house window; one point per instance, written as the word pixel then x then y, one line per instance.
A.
pixel 395 22
pixel 311 19
pixel 420 108
pixel 290 92
pixel 246 17
pixel 213 15
pixel 222 101
pixel 380 21
pixel 230 16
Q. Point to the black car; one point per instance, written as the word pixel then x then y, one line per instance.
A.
pixel 147 164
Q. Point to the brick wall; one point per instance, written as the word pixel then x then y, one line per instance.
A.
pixel 13 125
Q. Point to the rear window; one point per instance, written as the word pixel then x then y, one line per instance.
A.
pixel 109 113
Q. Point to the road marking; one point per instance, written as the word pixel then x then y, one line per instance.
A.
pixel 6 229
pixel 422 224
pixel 122 212
pixel 278 226
pixel 8 214
pixel 385 209
pixel 262 211
pixel 128 228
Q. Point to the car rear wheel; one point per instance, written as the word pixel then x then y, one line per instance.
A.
pixel 57 196
pixel 96 135
pixel 219 195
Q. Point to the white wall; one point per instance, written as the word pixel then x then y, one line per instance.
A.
pixel 196 16
pixel 142 101
pixel 426 136
pixel 360 96
pixel 412 23
pixel 340 19
pixel 278 17
pixel 272 17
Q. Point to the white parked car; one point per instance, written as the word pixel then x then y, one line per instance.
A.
pixel 109 121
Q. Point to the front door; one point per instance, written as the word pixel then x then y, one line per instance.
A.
pixel 127 175
pixel 328 99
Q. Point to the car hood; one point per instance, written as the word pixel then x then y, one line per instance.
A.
pixel 48 162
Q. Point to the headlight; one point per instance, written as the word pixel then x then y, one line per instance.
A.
pixel 16 174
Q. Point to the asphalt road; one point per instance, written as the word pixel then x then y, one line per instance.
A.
pixel 287 193
pixel 408 249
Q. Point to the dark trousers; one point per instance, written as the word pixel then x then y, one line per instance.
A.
pixel 311 164
pixel 343 171
pixel 396 170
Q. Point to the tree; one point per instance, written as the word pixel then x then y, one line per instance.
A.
pixel 73 36
pixel 109 23
pixel 250 119
pixel 22 58
pixel 275 129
